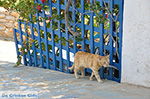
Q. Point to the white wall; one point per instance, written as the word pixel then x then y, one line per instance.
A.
pixel 136 42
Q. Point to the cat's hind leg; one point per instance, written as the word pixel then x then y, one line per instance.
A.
pixel 92 75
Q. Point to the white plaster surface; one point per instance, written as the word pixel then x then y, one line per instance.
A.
pixel 7 51
pixel 136 42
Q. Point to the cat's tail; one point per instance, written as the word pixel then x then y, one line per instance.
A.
pixel 71 68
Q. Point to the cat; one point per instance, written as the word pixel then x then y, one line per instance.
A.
pixel 84 60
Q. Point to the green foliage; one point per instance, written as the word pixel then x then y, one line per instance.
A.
pixel 19 58
pixel 79 39
pixel 23 7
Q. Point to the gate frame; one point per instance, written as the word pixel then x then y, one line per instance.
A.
pixel 32 60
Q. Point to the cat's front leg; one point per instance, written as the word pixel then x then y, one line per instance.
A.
pixel 82 72
pixel 97 76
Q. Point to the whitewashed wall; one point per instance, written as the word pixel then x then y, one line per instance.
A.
pixel 136 42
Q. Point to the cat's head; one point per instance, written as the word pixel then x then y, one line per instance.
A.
pixel 105 61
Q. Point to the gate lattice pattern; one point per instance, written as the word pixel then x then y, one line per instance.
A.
pixel 47 50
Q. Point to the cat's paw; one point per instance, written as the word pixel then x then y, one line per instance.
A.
pixel 100 81
pixel 77 77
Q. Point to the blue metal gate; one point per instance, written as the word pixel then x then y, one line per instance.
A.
pixel 42 45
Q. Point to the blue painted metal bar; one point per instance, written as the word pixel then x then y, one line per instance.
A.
pixel 121 9
pixel 101 36
pixel 39 41
pixel 33 44
pixel 67 45
pixel 46 42
pixel 101 47
pixel 16 42
pixel 27 40
pixel 74 27
pixel 52 37
pixel 68 50
pixel 91 31
pixel 21 40
pixel 82 25
pixel 60 35
pixel 111 40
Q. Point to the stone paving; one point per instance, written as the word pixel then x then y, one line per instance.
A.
pixel 57 85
